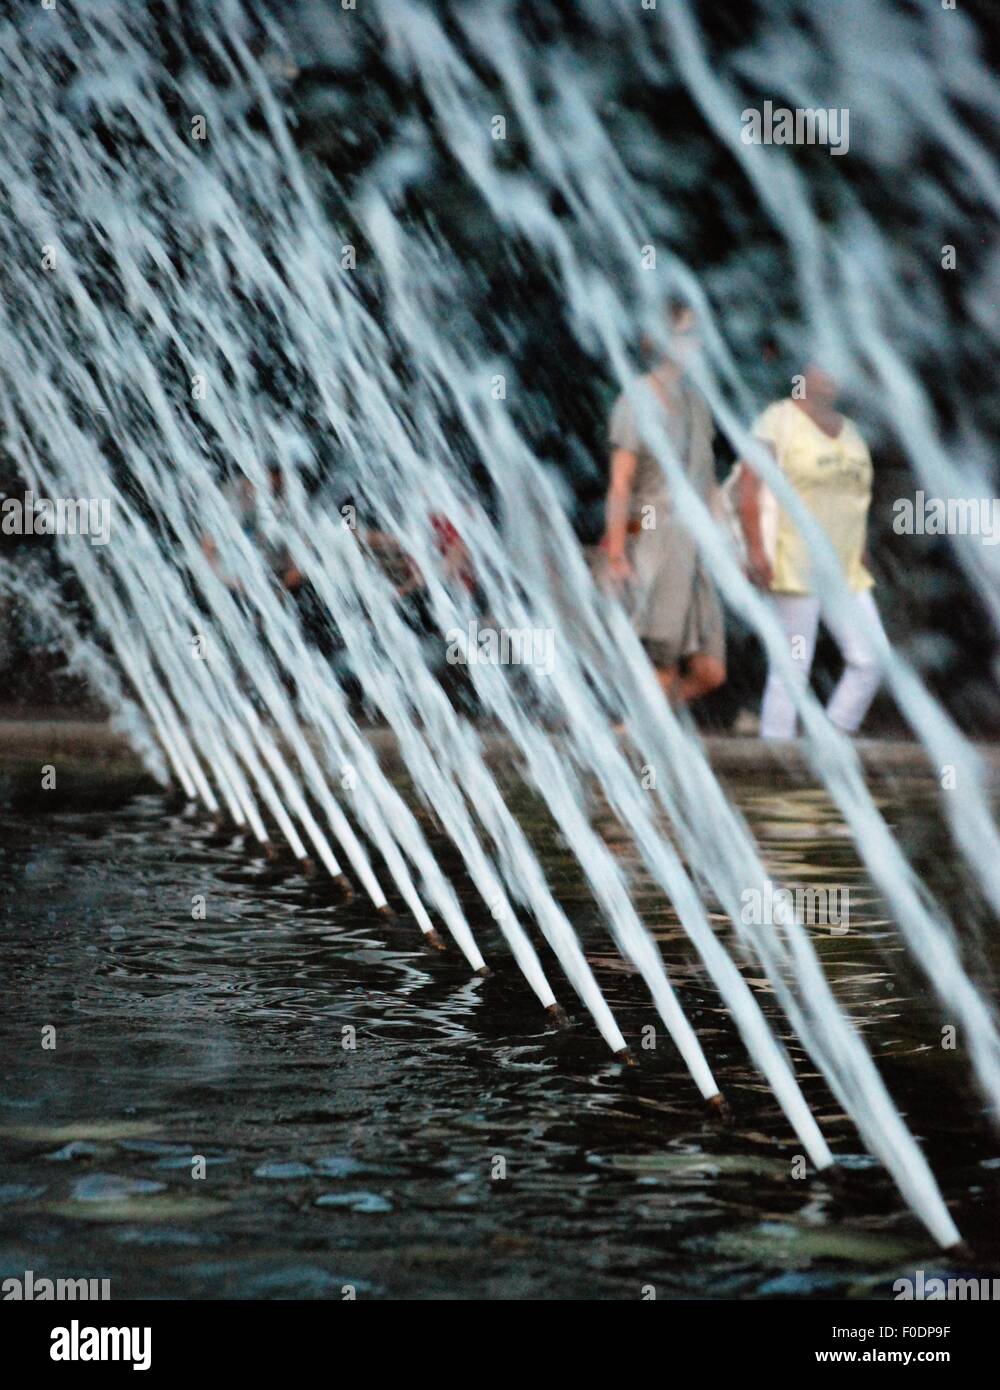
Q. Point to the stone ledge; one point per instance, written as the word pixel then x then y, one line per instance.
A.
pixel 91 752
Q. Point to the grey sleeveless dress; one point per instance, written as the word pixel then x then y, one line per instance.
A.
pixel 673 603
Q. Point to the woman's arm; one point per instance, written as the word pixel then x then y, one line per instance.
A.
pixel 761 572
pixel 617 508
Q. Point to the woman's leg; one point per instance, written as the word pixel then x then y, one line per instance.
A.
pixel 703 674
pixel 668 677
pixel 862 672
pixel 798 615
pixel 704 670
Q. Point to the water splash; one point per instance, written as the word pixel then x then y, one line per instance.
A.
pixel 156 278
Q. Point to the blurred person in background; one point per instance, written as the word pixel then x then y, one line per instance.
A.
pixel 242 496
pixel 824 457
pixel 647 555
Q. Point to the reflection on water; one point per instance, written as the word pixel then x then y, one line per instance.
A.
pixel 375 1166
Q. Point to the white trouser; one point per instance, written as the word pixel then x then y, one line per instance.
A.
pixel 799 617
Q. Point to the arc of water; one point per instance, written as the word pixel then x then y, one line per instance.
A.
pixel 324 701
pixel 451 913
pixel 450 749
pixel 555 927
pixel 278 706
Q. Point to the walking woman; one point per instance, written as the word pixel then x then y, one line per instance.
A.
pixel 649 556
pixel 824 457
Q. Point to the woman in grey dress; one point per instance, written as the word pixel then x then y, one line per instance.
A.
pixel 649 556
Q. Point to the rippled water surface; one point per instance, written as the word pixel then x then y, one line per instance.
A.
pixel 378 1166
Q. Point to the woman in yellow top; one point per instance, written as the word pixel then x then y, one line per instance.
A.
pixel 824 457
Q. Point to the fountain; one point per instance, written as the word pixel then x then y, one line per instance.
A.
pixel 194 298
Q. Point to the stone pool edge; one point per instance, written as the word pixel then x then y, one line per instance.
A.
pixel 92 760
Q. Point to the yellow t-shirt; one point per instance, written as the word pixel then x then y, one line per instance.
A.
pixel 833 477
